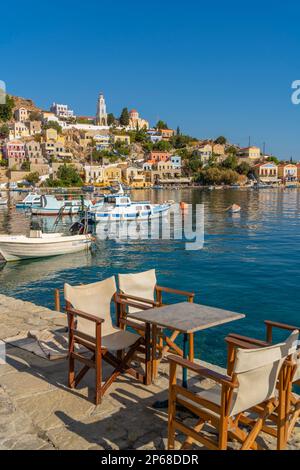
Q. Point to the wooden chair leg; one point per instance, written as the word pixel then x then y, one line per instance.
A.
pixel 98 365
pixel 71 374
pixel 172 407
pixel 154 352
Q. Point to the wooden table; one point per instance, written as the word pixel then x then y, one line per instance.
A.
pixel 186 318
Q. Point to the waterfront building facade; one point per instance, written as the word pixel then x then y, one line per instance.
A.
pixel 252 153
pixel 34 127
pixel 17 130
pixel 62 111
pixel 33 152
pixel 176 161
pixel 14 152
pixel 94 174
pixel 157 156
pixel 287 172
pixel 266 172
pixel 21 114
pixel 124 139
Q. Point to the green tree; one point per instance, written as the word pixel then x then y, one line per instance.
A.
pixel 162 146
pixel 230 162
pixel 124 118
pixel 178 131
pixel 231 150
pixel 161 125
pixel 243 168
pixel 25 166
pixel 217 175
pixel 273 159
pixel 4 131
pixel 68 176
pixel 33 178
pixel 6 110
pixel 110 119
pixel 192 165
pixel 221 140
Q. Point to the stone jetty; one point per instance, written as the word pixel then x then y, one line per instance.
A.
pixel 38 411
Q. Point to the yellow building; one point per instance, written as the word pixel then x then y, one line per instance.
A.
pixel 112 174
pixel 124 139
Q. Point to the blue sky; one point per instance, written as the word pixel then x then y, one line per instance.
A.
pixel 210 67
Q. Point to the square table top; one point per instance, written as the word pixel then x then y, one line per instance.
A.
pixel 186 317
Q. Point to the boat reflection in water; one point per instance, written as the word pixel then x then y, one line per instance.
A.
pixel 37 270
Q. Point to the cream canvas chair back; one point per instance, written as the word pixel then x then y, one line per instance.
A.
pixel 138 284
pixel 257 372
pixel 94 299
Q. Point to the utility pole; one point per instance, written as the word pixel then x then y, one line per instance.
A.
pixel 264 148
pixel 249 143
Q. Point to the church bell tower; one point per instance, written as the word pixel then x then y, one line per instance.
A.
pixel 101 116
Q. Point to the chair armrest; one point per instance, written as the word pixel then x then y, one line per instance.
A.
pixel 239 343
pixel 203 371
pixel 234 338
pixel 282 326
pixel 274 324
pixel 131 303
pixel 87 316
pixel 124 297
pixel 170 290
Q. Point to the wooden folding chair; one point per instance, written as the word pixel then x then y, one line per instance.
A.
pixel 250 387
pixel 91 329
pixel 143 288
pixel 290 403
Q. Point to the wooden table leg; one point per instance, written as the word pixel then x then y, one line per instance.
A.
pixel 154 352
pixel 185 355
pixel 147 379
pixel 191 347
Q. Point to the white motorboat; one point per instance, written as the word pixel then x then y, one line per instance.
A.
pixel 31 200
pixel 50 205
pixel 3 201
pixel 119 207
pixel 40 245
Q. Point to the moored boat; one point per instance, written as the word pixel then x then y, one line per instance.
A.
pixel 118 207
pixel 31 200
pixel 50 205
pixel 40 245
pixel 3 201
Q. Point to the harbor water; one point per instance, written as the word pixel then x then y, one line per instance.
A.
pixel 249 263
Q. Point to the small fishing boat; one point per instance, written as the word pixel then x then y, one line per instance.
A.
pixel 31 200
pixel 40 245
pixel 88 189
pixel 3 201
pixel 50 205
pixel 234 208
pixel 116 207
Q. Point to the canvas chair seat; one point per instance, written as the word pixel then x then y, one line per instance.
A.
pixel 119 339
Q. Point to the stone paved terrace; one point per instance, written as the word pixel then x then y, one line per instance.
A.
pixel 38 411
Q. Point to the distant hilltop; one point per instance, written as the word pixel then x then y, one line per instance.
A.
pixel 20 102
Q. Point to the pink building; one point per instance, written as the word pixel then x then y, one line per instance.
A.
pixel 14 152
